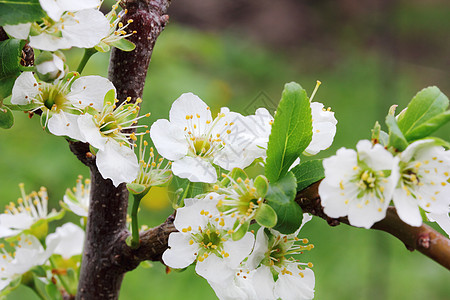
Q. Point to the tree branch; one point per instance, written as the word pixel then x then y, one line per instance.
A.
pixel 424 238
pixel 101 270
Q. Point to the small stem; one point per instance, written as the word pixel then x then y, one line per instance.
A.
pixel 63 282
pixel 87 55
pixel 134 222
pixel 27 69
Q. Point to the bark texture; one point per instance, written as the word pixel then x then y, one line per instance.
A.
pixel 103 267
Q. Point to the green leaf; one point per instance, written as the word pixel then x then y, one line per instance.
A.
pixel 428 127
pixel 26 107
pixel 6 85
pixel 281 197
pixel 396 138
pixel 308 172
pixel 53 292
pixel 24 11
pixel 291 131
pixel 6 118
pixel 266 216
pixel 426 105
pixel 124 45
pixel 10 55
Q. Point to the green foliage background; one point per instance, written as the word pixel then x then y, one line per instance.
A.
pixel 227 70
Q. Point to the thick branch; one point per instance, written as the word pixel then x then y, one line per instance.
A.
pixel 101 271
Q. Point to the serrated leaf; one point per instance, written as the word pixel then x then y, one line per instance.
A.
pixel 308 172
pixel 291 131
pixel 6 118
pixel 266 216
pixel 396 138
pixel 427 104
pixel 281 197
pixel 24 11
pixel 428 127
pixel 124 45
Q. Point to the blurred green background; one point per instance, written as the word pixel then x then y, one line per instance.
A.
pixel 368 55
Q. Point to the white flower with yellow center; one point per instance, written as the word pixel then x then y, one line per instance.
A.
pixel 276 274
pixel 70 24
pixel 62 102
pixel 27 253
pixel 194 141
pixel 30 213
pixel 359 184
pixel 78 198
pixel 205 237
pixel 424 182
pixel 110 131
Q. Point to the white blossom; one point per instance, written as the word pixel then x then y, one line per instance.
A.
pixel 29 210
pixel 62 102
pixel 424 182
pixel 81 28
pixel 204 237
pixel 27 253
pixel 78 198
pixel 443 220
pixel 110 131
pixel 359 184
pixel 194 141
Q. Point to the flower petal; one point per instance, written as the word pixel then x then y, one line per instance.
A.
pixel 214 269
pixel 238 250
pixel 169 140
pixel 90 91
pixel 195 169
pixel 181 253
pixel 25 88
pixel 65 124
pixel 119 163
pixel 69 239
pixel 91 132
pixel 189 104
pixel 407 208
pixel 295 286
pixel 19 31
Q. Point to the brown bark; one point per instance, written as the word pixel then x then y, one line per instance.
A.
pixel 102 270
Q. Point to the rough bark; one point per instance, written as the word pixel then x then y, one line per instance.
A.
pixel 102 270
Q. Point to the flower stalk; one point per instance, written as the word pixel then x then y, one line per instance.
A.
pixel 88 52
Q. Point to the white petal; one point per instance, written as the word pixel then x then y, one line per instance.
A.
pixel 295 287
pixel 86 28
pixel 407 208
pixel 413 148
pixel 118 163
pixel 195 169
pixel 214 269
pixel 443 221
pixel 191 216
pixel 263 283
pixel 48 42
pixel 169 140
pixel 261 245
pixel 52 67
pixel 338 167
pixel 17 221
pixel 77 209
pixel 332 200
pixel 376 157
pixel 65 124
pixel 90 91
pixel 69 240
pixel 181 253
pixel 365 214
pixel 90 131
pixel 238 250
pixel 189 104
pixel 19 31
pixel 52 8
pixel 25 88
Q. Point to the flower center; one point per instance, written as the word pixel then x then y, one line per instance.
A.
pixel 201 146
pixel 53 97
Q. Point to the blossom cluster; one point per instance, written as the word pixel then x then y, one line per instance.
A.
pixel 26 243
pixel 361 184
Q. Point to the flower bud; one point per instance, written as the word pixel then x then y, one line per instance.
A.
pixel 49 67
